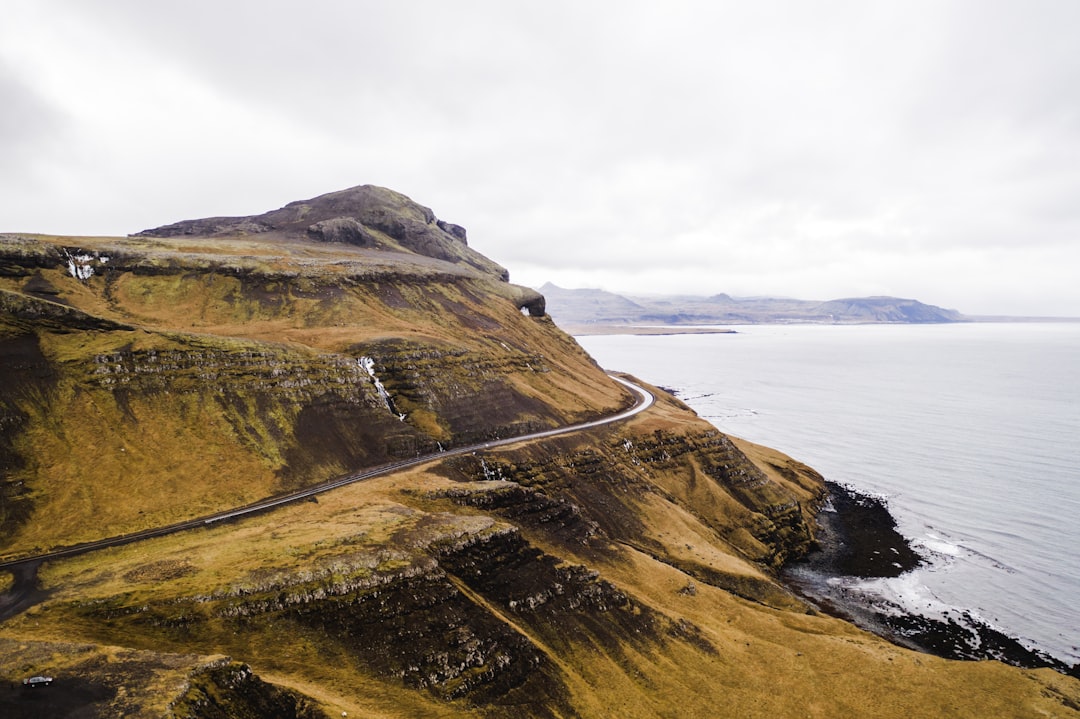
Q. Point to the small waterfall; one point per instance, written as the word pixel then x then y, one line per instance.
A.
pixel 369 366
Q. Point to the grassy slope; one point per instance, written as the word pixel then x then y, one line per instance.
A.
pixel 202 444
pixel 720 655
pixel 707 631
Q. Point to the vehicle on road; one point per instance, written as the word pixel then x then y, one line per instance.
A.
pixel 38 681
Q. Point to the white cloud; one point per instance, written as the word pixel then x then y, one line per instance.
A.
pixel 820 149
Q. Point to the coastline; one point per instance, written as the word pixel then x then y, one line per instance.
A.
pixel 857 543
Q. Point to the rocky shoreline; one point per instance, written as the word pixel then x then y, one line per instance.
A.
pixel 857 540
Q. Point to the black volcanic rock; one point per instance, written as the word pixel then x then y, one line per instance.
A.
pixel 456 230
pixel 858 538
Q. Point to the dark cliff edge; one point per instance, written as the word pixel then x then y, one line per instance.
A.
pixel 857 539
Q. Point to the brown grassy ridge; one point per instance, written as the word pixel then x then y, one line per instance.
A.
pixel 204 439
pixel 717 654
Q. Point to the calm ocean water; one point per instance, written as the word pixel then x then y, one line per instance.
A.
pixel 971 432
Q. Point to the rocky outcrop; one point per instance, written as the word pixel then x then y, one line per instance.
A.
pixel 425 620
pixel 456 231
pixel 231 690
pixel 342 229
pixel 531 301
pixel 366 215
pixel 466 390
pixel 104 682
pixel 591 495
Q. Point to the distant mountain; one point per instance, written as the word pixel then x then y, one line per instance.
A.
pixel 599 307
pixel 888 309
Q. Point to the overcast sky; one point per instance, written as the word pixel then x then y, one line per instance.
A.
pixel 799 148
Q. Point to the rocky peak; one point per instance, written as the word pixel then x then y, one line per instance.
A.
pixel 365 216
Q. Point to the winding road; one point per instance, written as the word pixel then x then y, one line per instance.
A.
pixel 24 593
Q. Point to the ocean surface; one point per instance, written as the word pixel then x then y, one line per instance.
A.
pixel 971 433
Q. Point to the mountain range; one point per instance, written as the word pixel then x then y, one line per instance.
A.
pixel 583 308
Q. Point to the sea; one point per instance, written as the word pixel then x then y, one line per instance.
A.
pixel 970 432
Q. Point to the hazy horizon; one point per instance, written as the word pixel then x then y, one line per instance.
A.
pixel 632 295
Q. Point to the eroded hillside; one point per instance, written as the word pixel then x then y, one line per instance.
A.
pixel 217 370
pixel 626 570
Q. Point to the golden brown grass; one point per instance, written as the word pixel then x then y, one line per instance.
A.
pixel 771 656
pixel 370 518
pixel 352 521
pixel 767 662
pixel 178 460
pixel 98 468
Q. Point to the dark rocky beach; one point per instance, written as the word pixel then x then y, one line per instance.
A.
pixel 857 539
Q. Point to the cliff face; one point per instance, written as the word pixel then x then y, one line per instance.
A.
pixel 222 369
pixel 626 570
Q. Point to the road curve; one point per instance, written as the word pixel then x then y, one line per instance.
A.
pixel 644 400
